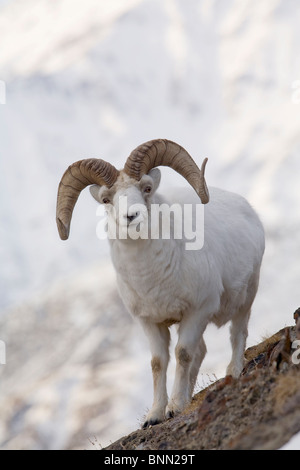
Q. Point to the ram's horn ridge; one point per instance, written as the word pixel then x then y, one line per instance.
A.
pixel 167 153
pixel 79 175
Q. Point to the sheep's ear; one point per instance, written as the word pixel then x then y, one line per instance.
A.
pixel 95 192
pixel 155 175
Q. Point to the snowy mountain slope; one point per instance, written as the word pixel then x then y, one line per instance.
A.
pixel 94 80
pixel 97 78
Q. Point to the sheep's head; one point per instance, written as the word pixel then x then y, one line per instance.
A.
pixel 128 203
pixel 137 181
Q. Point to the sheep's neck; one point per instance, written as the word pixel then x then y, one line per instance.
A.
pixel 143 256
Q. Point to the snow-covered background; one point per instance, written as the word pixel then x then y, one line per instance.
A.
pixel 96 79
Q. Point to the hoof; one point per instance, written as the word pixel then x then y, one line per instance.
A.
pixel 170 414
pixel 150 422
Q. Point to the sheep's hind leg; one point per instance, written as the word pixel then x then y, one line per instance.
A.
pixel 196 364
pixel 238 337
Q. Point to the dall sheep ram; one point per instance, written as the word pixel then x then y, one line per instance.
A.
pixel 160 281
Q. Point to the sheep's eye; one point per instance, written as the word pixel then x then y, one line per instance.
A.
pixel 147 189
pixel 105 200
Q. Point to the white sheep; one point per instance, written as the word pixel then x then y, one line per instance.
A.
pixel 160 281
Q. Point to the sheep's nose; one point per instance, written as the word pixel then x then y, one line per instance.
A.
pixel 131 217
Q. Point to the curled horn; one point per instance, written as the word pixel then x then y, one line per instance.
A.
pixel 167 153
pixel 79 175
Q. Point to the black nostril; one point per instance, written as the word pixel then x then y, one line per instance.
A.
pixel 132 216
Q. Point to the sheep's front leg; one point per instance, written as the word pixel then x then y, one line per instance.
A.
pixel 159 339
pixel 190 351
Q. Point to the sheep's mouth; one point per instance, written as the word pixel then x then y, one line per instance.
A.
pixel 134 224
pixel 137 229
